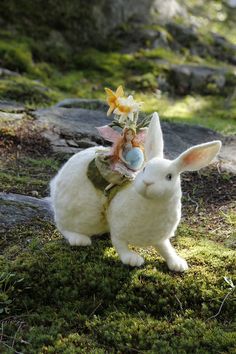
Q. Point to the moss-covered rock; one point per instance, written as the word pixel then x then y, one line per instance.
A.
pixel 78 22
pixel 143 82
pixel 32 92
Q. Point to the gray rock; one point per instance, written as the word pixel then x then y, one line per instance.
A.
pixel 81 124
pixel 73 121
pixel 18 209
pixel 222 49
pixel 190 78
pixel 6 73
pixel 11 107
pixel 169 9
pixel 4 116
pixel 227 156
pixel 188 37
pixel 83 103
pixel 179 137
pixel 232 3
pixel 69 127
pixel 66 149
pixel 83 22
pixel 72 143
pixel 86 143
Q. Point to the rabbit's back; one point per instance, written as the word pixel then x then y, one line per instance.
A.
pixel 78 205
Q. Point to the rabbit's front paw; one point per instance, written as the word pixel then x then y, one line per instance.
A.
pixel 177 264
pixel 133 259
pixel 75 239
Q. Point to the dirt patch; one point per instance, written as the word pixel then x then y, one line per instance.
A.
pixel 24 135
pixel 209 203
pixel 209 187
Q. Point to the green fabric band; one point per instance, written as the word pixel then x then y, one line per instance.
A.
pixel 101 183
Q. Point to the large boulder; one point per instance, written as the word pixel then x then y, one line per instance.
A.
pixel 75 21
pixel 72 129
pixel 213 45
pixel 18 209
pixel 202 79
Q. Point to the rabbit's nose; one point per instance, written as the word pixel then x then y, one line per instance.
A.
pixel 148 183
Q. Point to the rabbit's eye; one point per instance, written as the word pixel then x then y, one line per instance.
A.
pixel 144 169
pixel 169 177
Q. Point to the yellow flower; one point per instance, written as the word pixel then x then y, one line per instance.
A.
pixel 112 98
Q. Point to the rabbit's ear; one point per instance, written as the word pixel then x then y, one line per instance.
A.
pixel 198 156
pixel 154 140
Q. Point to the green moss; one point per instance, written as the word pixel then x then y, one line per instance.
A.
pixel 215 112
pixel 21 184
pixel 28 175
pixel 143 82
pixel 15 56
pixel 79 300
pixel 26 90
pixel 83 299
pixel 104 62
pixel 145 333
pixel 162 53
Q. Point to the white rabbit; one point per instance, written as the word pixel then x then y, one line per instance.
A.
pixel 144 213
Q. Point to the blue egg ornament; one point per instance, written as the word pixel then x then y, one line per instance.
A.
pixel 134 158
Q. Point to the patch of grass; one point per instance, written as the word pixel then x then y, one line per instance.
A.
pixel 27 163
pixel 83 299
pixel 27 175
pixel 163 53
pixel 217 113
pixel 15 56
pixel 26 90
pixel 23 184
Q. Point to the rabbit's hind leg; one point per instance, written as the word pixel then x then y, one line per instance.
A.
pixel 76 239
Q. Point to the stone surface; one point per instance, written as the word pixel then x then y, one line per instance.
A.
pixel 227 155
pixel 204 79
pixel 69 127
pixel 83 103
pixel 81 23
pixel 11 116
pixel 72 120
pixel 188 36
pixel 18 209
pixel 11 107
pixel 5 73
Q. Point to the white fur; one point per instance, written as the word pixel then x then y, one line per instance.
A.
pixel 145 213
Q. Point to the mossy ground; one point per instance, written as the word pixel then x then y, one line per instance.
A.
pixel 59 299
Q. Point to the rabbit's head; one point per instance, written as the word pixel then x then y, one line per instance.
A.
pixel 160 178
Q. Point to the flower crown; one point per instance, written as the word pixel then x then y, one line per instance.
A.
pixel 125 109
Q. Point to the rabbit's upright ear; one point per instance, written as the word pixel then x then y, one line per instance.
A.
pixel 154 140
pixel 198 156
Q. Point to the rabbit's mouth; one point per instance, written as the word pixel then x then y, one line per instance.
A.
pixel 144 189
